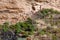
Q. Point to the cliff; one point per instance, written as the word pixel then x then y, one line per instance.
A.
pixel 18 10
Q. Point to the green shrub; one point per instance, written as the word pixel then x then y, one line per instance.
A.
pixel 27 27
pixel 41 32
pixel 46 12
pixel 5 26
pixel 54 37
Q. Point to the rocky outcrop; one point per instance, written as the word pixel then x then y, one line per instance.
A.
pixel 13 10
pixel 19 10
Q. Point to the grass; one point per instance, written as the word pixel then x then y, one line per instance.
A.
pixel 50 32
pixel 47 12
pixel 54 37
pixel 47 16
pixel 42 32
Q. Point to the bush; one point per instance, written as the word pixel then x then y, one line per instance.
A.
pixel 45 12
pixel 54 37
pixel 26 28
pixel 5 26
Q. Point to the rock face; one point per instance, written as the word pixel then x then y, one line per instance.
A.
pixel 18 10
pixel 13 10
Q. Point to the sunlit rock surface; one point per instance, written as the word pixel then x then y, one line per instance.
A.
pixel 13 10
pixel 19 10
